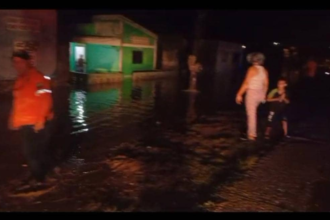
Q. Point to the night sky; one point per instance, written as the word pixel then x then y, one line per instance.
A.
pixel 286 26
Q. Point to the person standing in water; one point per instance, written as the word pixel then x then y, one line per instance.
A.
pixel 81 64
pixel 255 86
pixel 194 68
pixel 32 113
pixel 278 99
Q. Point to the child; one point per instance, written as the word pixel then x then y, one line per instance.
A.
pixel 278 102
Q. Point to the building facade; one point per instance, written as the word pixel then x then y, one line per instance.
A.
pixel 31 30
pixel 113 44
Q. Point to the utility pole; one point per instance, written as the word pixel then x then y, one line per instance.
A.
pixel 199 29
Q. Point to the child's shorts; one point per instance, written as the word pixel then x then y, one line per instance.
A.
pixel 274 117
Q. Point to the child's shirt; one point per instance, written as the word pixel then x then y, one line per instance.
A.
pixel 277 106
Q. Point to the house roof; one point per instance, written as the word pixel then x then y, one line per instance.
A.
pixel 123 18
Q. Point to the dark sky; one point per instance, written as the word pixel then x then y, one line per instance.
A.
pixel 158 21
pixel 291 26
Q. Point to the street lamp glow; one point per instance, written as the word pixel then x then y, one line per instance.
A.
pixel 243 46
pixel 276 43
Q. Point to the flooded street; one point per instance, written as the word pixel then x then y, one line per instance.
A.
pixel 129 110
pixel 122 146
pixel 138 146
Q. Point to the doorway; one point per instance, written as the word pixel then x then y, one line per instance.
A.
pixel 80 59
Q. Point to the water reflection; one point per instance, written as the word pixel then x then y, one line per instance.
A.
pixel 191 112
pixel 77 106
pixel 108 110
pixel 102 115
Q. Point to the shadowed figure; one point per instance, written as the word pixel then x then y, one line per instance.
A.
pixel 81 64
pixel 194 69
pixel 191 112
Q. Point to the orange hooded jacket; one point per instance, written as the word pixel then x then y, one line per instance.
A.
pixel 32 100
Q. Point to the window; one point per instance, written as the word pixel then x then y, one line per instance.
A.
pixel 137 57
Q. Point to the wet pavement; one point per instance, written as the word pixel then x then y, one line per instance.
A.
pixel 122 147
pixel 293 178
pixel 149 146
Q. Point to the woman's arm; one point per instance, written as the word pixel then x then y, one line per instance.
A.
pixel 244 85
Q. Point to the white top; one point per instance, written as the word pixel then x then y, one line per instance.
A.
pixel 257 81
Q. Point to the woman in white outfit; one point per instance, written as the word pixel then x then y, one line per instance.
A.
pixel 255 85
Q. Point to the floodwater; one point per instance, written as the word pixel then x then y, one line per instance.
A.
pixel 135 146
pixel 119 112
pixel 91 122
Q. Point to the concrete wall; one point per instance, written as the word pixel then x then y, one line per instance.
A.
pixel 170 60
pixel 35 30
pixel 172 52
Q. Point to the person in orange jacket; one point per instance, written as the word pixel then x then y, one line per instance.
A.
pixel 31 113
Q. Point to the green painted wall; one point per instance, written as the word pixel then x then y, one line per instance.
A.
pixel 90 30
pixel 86 29
pixel 147 63
pixel 129 30
pixel 115 24
pixel 102 58
pixel 105 58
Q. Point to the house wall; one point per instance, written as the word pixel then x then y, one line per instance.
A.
pixel 33 30
pixel 229 56
pixel 118 58
pixel 147 62
pixel 134 39
pixel 132 35
pixel 102 58
pixel 172 54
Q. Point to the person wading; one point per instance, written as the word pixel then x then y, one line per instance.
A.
pixel 31 114
pixel 256 86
